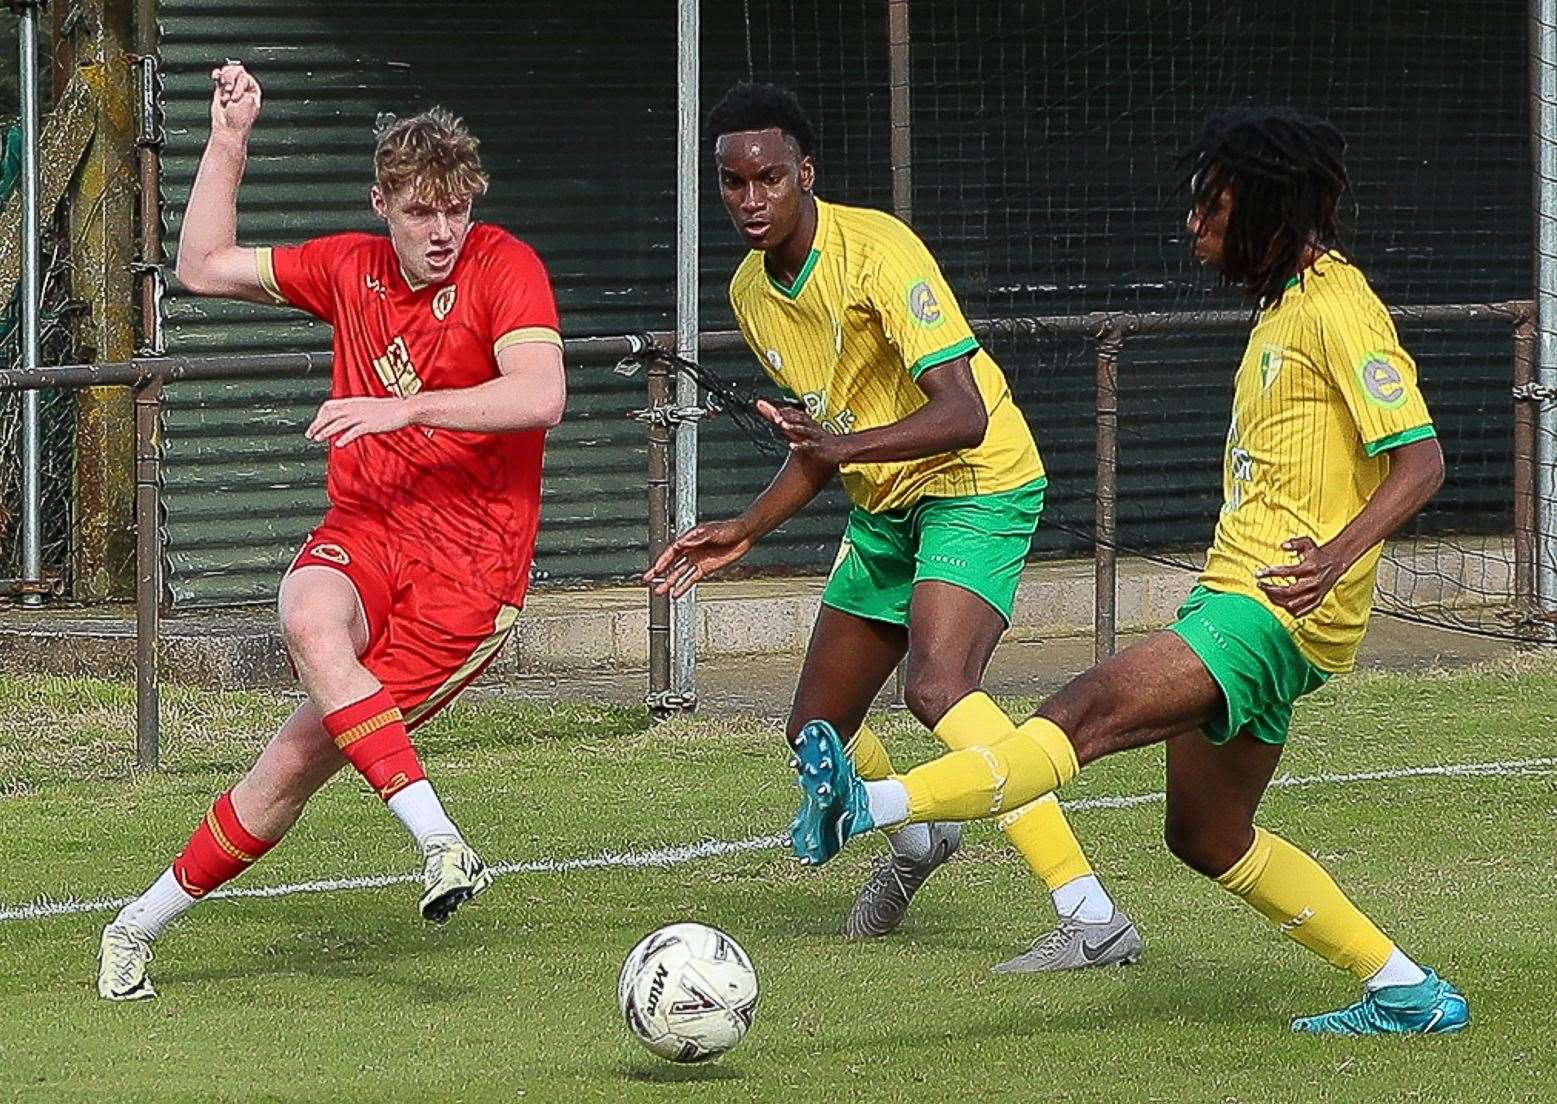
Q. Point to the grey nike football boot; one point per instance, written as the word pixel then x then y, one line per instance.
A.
pixel 883 900
pixel 1076 945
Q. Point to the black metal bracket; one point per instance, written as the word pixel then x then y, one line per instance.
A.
pixel 631 364
pixel 1534 392
pixel 669 416
pixel 668 701
pixel 51 585
pixel 151 134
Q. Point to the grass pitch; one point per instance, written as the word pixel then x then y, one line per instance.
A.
pixel 347 995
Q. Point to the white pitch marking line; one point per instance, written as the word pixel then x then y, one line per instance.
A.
pixel 44 907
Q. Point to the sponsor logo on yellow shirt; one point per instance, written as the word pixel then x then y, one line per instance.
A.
pixel 924 306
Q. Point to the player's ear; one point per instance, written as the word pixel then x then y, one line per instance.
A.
pixel 807 174
pixel 380 204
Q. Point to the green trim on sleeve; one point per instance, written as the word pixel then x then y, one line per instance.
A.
pixel 932 360
pixel 1404 437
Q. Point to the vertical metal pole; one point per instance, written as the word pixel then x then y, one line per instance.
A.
pixel 148 573
pixel 659 532
pixel 1524 465
pixel 1543 115
pixel 900 151
pixel 32 416
pixel 900 136
pixel 148 154
pixel 688 43
pixel 1105 546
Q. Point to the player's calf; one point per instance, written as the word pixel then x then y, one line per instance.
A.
pixel 220 849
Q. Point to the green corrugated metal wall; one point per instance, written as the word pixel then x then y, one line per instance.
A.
pixel 1045 137
pixel 1042 137
pixel 575 105
pixel 573 133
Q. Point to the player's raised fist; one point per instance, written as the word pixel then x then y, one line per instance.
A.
pixel 235 100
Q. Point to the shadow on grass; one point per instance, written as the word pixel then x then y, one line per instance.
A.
pixel 384 959
pixel 670 1073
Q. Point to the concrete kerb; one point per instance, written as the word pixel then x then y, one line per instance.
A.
pixel 608 627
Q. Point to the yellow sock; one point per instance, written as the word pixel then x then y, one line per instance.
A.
pixel 870 756
pixel 1041 833
pixel 1295 893
pixel 983 780
pixel 1038 829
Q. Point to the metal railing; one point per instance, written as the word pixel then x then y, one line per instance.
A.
pixel 149 376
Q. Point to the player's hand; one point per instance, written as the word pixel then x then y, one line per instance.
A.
pixel 697 554
pixel 1315 573
pixel 342 421
pixel 235 101
pixel 806 435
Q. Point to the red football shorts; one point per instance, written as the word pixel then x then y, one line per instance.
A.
pixel 430 632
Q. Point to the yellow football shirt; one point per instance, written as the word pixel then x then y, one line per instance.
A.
pixel 866 316
pixel 1322 394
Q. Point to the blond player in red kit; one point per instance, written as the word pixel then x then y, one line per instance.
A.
pixel 447 374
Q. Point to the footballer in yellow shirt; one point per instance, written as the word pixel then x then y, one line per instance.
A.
pixel 1330 450
pixel 886 386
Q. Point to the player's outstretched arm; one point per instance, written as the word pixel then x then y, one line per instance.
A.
pixel 530 393
pixel 707 548
pixel 210 261
pixel 953 418
pixel 1415 474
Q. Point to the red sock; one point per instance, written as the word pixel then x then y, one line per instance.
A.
pixel 371 734
pixel 218 852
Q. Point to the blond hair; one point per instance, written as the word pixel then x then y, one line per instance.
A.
pixel 432 155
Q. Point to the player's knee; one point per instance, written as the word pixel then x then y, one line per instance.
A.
pixel 313 635
pixel 930 695
pixel 1205 848
pixel 1083 711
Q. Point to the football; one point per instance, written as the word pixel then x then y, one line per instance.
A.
pixel 688 992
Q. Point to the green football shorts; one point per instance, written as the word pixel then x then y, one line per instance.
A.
pixel 1253 659
pixel 978 543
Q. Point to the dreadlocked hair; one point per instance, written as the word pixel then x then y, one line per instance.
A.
pixel 1286 175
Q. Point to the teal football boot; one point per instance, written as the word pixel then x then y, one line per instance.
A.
pixel 833 806
pixel 1430 1007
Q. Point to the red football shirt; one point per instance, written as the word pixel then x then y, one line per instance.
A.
pixel 470 501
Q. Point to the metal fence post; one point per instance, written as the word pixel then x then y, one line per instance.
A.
pixel 659 530
pixel 148 155
pixel 1525 404
pixel 1105 540
pixel 1543 118
pixel 688 321
pixel 899 88
pixel 148 572
pixel 901 150
pixel 32 411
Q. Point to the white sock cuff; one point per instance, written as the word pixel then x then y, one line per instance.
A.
pixel 1398 969
pixel 1085 899
pixel 159 906
pixel 888 802
pixel 418 808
